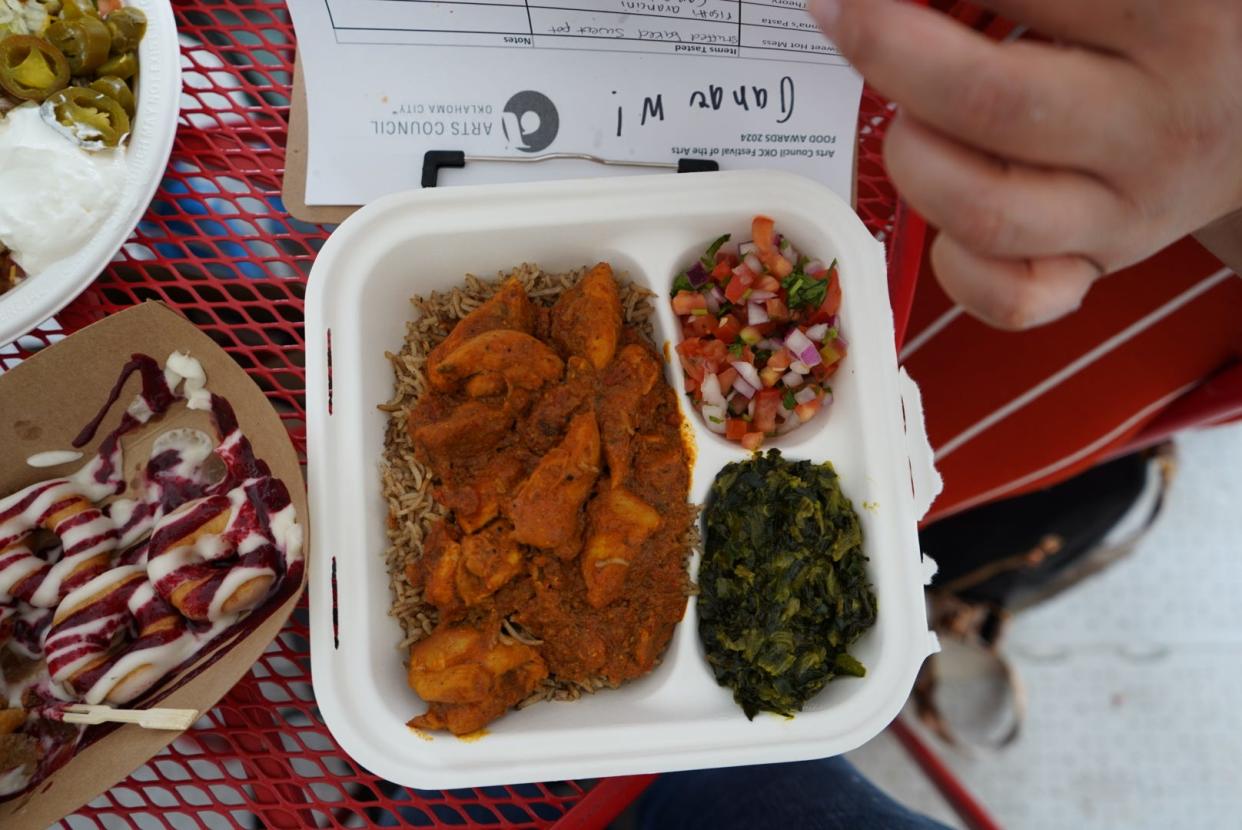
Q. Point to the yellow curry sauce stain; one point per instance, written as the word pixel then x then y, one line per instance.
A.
pixel 471 737
pixel 871 506
pixel 426 736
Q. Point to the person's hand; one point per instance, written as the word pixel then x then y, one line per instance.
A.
pixel 1048 165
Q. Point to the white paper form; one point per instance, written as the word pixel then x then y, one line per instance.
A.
pixel 740 82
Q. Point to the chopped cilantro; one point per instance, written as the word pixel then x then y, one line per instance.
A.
pixel 715 420
pixel 736 347
pixel 788 399
pixel 804 291
pixel 709 258
pixel 682 283
pixel 761 356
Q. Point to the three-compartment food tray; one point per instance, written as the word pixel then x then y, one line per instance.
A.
pixel 649 228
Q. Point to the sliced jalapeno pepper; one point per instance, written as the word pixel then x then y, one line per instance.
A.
pixel 90 115
pixel 122 66
pixel 85 43
pixel 127 27
pixel 75 9
pixel 118 90
pixel 31 68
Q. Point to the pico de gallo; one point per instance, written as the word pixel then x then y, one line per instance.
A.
pixel 760 337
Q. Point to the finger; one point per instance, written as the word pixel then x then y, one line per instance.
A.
pixel 1110 25
pixel 1026 101
pixel 995 208
pixel 1012 293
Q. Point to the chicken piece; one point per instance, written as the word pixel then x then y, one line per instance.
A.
pixel 586 320
pixel 471 428
pixel 436 571
pixel 620 523
pixel 545 425
pixel 458 574
pixel 627 379
pixel 660 464
pixel 489 559
pixel 486 385
pixel 547 508
pixel 522 360
pixel 484 495
pixel 509 308
pixel 469 678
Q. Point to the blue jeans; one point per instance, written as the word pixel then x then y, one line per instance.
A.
pixel 828 794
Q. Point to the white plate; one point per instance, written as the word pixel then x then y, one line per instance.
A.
pixel 41 295
pixel 651 227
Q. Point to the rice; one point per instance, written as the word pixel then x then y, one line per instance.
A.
pixel 407 484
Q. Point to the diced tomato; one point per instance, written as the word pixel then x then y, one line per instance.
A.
pixel 692 386
pixel 780 360
pixel 735 428
pixel 777 310
pixel 728 328
pixel 806 411
pixel 688 301
pixel 832 300
pixel 768 283
pixel 726 379
pixel 738 286
pixel 767 404
pixel 697 326
pixel 770 376
pixel 725 256
pixel 776 264
pixel 763 234
pixel 825 370
pixel 752 440
pixel 722 270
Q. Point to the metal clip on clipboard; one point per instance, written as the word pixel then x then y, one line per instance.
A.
pixel 434 160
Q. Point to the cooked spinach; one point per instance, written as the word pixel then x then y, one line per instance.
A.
pixel 783 588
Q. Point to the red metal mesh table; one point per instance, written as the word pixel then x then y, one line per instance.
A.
pixel 218 246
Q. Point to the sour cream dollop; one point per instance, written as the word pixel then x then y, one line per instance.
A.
pixel 53 194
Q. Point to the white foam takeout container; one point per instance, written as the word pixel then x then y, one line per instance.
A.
pixel 649 227
pixel 158 93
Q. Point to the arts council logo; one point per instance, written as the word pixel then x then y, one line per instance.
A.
pixel 530 121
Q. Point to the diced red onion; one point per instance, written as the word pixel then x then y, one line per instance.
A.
pixel 816 332
pixel 791 379
pixel 711 391
pixel 827 398
pixel 813 267
pixel 790 423
pixel 711 411
pixel 697 275
pixel 799 367
pixel 750 408
pixel 717 294
pixel 806 395
pixel 753 264
pixel 756 314
pixel 841 340
pixel 748 373
pixel 770 345
pixel 801 347
pixel 744 272
pixel 760 296
pixel 713 304
pixel 743 388
pixel 745 248
pixel 787 250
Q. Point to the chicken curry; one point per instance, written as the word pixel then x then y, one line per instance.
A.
pixel 557 448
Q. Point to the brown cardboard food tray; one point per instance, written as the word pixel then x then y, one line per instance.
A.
pixel 44 402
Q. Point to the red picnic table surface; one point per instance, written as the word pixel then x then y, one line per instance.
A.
pixel 218 246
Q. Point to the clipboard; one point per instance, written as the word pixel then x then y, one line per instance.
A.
pixel 293 187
